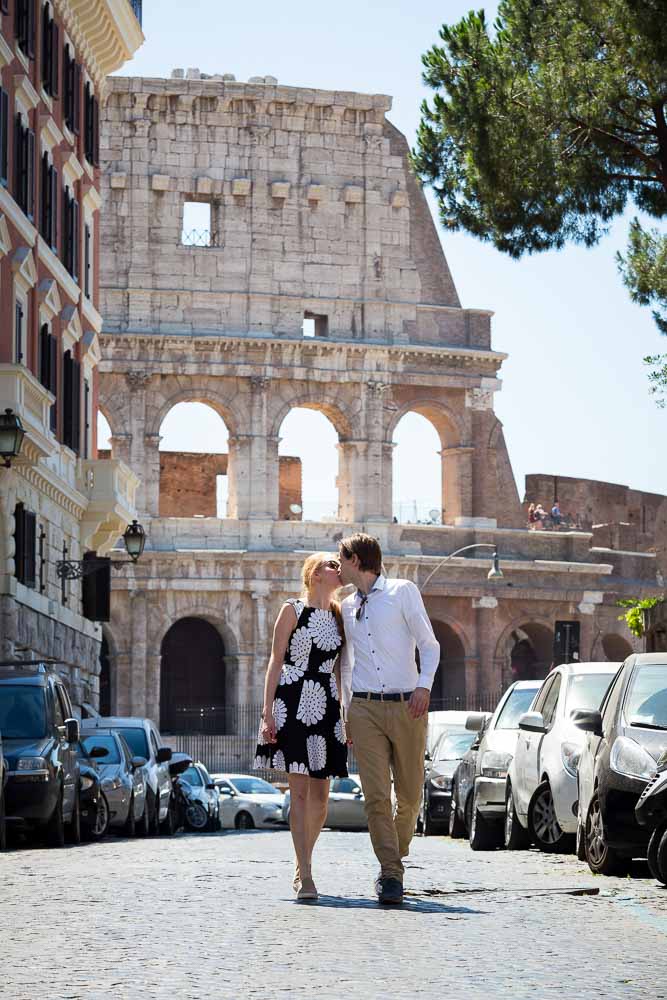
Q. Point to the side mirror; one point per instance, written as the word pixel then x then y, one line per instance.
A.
pixel 98 752
pixel 359 794
pixel 590 722
pixel 427 755
pixel 476 721
pixel 532 722
pixel 137 762
pixel 211 787
pixel 72 733
pixel 163 755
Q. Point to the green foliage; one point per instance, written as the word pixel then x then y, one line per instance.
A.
pixel 542 128
pixel 633 617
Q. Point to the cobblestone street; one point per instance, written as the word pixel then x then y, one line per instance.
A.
pixel 214 916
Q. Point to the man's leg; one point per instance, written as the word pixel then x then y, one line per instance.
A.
pixel 408 738
pixel 366 725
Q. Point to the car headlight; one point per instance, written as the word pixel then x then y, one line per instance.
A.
pixel 31 764
pixel 86 783
pixel 628 757
pixel 570 754
pixel 495 764
pixel 442 782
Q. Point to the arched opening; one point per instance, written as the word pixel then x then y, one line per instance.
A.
pixel 192 678
pixel 194 462
pixel 449 690
pixel 417 471
pixel 530 652
pixel 103 433
pixel 308 452
pixel 105 677
pixel 615 648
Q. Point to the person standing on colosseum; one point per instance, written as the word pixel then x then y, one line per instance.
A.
pixel 386 699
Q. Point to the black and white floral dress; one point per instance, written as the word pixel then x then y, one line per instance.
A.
pixel 309 730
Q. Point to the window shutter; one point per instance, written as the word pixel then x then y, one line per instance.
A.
pixel 46 48
pixel 76 407
pixel 30 173
pixel 96 132
pixel 19 15
pixel 76 239
pixel 86 261
pixel 53 180
pixel 87 122
pixel 30 546
pixel 76 103
pixel 55 59
pixel 4 6
pixel 19 332
pixel 96 591
pixel 45 195
pixel 18 159
pixel 4 135
pixel 68 86
pixel 86 416
pixel 67 399
pixel 44 356
pixel 53 377
pixel 66 227
pixel 32 6
pixel 19 541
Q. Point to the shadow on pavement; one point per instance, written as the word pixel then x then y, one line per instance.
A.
pixel 408 905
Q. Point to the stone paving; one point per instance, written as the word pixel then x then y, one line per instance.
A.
pixel 214 916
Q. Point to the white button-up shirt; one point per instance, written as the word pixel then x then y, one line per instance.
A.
pixel 379 650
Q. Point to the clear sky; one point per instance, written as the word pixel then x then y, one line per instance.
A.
pixel 574 400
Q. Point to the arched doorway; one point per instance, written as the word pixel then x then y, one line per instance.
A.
pixel 417 471
pixel 449 690
pixel 530 652
pixel 192 678
pixel 615 648
pixel 105 678
pixel 191 485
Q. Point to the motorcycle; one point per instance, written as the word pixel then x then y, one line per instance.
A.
pixel 186 811
pixel 651 810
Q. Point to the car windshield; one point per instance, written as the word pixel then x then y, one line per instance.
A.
pixel 518 702
pixel 254 786
pixel 192 776
pixel 586 691
pixel 454 745
pixel 646 701
pixel 22 712
pixel 108 742
pixel 136 740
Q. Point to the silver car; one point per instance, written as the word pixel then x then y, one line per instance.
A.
pixel 122 779
pixel 247 802
pixel 346 805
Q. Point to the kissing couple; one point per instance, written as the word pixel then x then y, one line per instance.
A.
pixel 344 673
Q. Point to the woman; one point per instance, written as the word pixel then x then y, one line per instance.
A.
pixel 302 730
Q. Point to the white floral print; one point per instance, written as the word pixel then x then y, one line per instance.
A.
pixel 300 646
pixel 290 673
pixel 316 747
pixel 298 607
pixel 298 769
pixel 279 713
pixel 279 761
pixel 334 687
pixel 312 703
pixel 323 628
pixel 327 666
pixel 339 731
pixel 262 763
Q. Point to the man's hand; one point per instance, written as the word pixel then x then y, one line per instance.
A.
pixel 419 702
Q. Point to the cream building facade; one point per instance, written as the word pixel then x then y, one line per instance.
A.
pixel 319 282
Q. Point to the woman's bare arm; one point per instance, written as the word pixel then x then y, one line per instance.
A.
pixel 282 631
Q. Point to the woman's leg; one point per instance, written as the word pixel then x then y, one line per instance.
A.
pixel 318 800
pixel 298 821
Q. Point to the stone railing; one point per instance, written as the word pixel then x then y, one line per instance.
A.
pixel 27 397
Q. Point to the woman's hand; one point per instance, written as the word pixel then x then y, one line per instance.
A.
pixel 268 734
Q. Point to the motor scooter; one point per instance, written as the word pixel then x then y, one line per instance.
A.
pixel 651 811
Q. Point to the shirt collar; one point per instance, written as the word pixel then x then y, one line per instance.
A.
pixel 378 585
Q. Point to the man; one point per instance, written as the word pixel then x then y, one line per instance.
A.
pixel 386 700
pixel 556 515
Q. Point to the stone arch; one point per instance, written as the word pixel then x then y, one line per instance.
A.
pixel 314 399
pixel 449 689
pixel 195 394
pixel 446 422
pixel 616 648
pixel 193 677
pixel 525 649
pixel 108 676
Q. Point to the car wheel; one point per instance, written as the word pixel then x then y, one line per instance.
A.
pixel 457 828
pixel 484 835
pixel 55 828
pixel 3 822
pixel 196 817
pixel 580 843
pixel 101 826
pixel 73 828
pixel 467 814
pixel 244 821
pixel 155 816
pixel 168 824
pixel 662 859
pixel 130 827
pixel 543 824
pixel 515 837
pixel 601 858
pixel 652 853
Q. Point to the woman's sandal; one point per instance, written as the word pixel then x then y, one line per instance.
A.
pixel 307 889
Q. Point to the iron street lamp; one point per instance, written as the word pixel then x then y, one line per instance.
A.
pixel 134 538
pixel 11 436
pixel 495 573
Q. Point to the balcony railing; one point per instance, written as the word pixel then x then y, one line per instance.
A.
pixel 136 7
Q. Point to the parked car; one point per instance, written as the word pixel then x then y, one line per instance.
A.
pixel 248 801
pixel 541 791
pixel 345 809
pixel 123 779
pixel 439 721
pixel 651 812
pixel 3 782
pixel 40 735
pixel 93 805
pixel 625 739
pixel 144 740
pixel 496 749
pixel 462 783
pixel 204 810
pixel 448 751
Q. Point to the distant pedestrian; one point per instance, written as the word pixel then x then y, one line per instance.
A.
pixel 302 731
pixel 386 700
pixel 556 515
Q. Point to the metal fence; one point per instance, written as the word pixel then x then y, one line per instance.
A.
pixel 225 739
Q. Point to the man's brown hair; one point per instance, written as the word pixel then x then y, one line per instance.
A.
pixel 366 548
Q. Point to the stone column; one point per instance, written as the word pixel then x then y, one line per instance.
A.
pixel 153 661
pixel 351 479
pixel 138 652
pixel 456 482
pixel 378 455
pixel 251 682
pixel 142 451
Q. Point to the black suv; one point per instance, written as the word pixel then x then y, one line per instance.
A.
pixel 3 780
pixel 40 739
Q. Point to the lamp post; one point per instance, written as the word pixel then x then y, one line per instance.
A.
pixel 12 433
pixel 134 538
pixel 495 573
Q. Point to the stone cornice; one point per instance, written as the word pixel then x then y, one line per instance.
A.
pixel 105 33
pixel 52 486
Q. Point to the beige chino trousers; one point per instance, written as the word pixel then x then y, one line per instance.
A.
pixel 388 741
